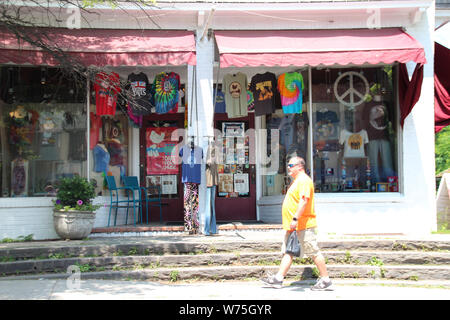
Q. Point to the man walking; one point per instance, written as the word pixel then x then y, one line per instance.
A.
pixel 298 214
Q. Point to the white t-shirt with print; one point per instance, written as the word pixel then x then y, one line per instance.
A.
pixel 354 143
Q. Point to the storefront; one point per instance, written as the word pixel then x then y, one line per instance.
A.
pixel 338 96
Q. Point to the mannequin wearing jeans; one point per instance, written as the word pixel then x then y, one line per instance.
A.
pixel 376 119
pixel 211 182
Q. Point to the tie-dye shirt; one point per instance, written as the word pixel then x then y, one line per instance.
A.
pixel 166 86
pixel 290 86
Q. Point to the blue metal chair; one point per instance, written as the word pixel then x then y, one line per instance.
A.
pixel 116 203
pixel 151 195
pixel 133 183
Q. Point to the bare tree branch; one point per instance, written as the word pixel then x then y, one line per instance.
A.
pixel 27 20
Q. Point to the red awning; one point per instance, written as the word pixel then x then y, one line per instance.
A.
pixel 105 47
pixel 315 47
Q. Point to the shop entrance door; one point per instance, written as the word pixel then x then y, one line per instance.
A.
pixel 236 191
pixel 156 166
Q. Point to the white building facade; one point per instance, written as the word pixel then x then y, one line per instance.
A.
pixel 358 190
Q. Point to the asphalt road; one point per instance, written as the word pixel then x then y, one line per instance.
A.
pixel 74 289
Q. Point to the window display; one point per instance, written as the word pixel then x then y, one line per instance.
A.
pixel 288 125
pixel 354 147
pixel 109 154
pixel 354 130
pixel 43 131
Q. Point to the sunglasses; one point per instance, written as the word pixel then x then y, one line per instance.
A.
pixel 292 165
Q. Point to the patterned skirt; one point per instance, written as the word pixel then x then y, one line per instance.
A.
pixel 191 223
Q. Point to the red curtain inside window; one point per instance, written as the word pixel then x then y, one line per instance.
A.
pixel 409 90
pixel 441 87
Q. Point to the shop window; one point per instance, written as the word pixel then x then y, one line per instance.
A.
pixel 43 130
pixel 287 136
pixel 109 149
pixel 354 130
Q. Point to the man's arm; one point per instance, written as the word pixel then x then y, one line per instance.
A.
pixel 298 213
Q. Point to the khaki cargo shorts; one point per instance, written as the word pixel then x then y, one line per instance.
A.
pixel 308 242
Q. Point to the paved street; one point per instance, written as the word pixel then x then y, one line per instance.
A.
pixel 229 290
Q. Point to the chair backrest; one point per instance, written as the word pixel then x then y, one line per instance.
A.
pixel 111 183
pixel 131 181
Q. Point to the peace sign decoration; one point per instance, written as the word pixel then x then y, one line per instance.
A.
pixel 355 97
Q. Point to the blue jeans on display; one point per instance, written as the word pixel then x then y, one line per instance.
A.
pixel 210 211
pixel 380 171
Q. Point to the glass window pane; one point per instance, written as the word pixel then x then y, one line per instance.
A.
pixel 287 136
pixel 354 130
pixel 109 149
pixel 43 130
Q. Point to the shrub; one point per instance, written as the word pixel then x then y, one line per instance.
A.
pixel 75 194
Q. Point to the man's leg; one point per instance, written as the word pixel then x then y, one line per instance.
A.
pixel 285 264
pixel 319 261
pixel 286 261
pixel 324 282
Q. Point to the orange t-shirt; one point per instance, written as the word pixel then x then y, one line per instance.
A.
pixel 302 187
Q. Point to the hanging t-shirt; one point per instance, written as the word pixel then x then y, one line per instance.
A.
pixel 219 107
pixel 140 92
pixel 250 101
pixel 235 90
pixel 101 159
pixel 191 164
pixel 166 92
pixel 107 87
pixel 290 86
pixel 94 132
pixel 265 93
pixel 326 125
pixel 354 143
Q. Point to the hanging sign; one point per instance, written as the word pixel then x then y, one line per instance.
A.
pixel 159 147
pixel 351 97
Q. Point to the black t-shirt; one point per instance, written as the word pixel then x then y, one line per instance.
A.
pixel 139 92
pixel 265 93
pixel 376 119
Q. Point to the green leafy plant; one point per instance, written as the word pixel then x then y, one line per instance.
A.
pixel 75 194
pixel 442 150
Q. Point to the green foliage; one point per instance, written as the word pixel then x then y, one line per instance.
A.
pixel 75 194
pixel 174 276
pixel 20 239
pixel 442 150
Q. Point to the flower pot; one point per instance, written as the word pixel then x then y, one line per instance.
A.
pixel 73 225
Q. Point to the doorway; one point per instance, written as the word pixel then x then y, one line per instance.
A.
pixel 158 168
pixel 236 191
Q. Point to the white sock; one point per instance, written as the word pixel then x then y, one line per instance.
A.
pixel 326 279
pixel 279 277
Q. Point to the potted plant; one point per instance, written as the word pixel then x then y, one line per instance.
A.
pixel 74 213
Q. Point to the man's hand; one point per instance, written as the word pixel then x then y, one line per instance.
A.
pixel 293 224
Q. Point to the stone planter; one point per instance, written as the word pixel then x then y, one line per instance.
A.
pixel 73 225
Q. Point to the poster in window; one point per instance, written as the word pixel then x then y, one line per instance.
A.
pixel 225 183
pixel 233 129
pixel 159 147
pixel 169 184
pixel 153 181
pixel 241 183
